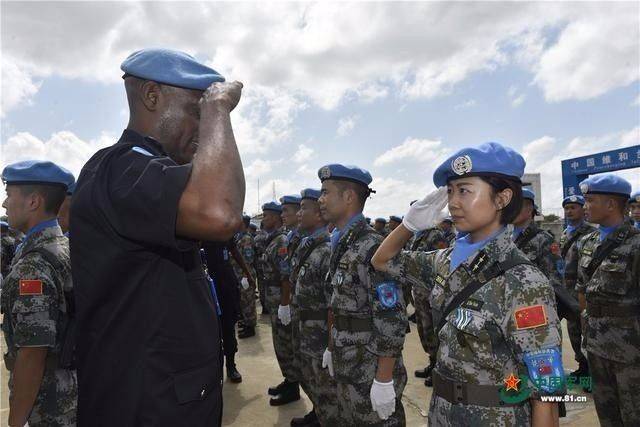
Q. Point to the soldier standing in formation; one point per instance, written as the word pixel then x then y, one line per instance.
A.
pixel 259 240
pixel 8 249
pixel 394 222
pixel 380 226
pixel 609 289
pixel 368 314
pixel 494 310
pixel 37 299
pixel 244 251
pixel 634 205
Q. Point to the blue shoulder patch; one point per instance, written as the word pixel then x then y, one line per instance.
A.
pixel 545 368
pixel 387 294
pixel 141 151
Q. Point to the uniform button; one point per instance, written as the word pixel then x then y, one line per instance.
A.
pixel 202 392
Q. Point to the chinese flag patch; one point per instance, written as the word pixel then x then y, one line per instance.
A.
pixel 530 317
pixel 30 287
pixel 282 251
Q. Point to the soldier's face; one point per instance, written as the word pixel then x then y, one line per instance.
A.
pixel 598 207
pixel 393 225
pixel 635 211
pixel 179 122
pixel 309 214
pixel 378 226
pixel 63 214
pixel 16 204
pixel 270 220
pixel 332 204
pixel 525 212
pixel 573 212
pixel 472 204
pixel 289 215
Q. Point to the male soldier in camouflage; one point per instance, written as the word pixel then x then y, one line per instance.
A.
pixel 609 288
pixel 245 248
pixel 311 300
pixel 380 225
pixel 42 387
pixel 275 269
pixel 368 316
pixel 8 248
pixel 394 222
pixel 259 241
pixel 424 241
pixel 577 228
pixel 634 208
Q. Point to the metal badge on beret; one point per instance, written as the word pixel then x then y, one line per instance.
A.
pixel 462 165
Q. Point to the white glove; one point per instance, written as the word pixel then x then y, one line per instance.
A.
pixel 427 212
pixel 327 361
pixel 284 314
pixel 383 398
pixel 244 283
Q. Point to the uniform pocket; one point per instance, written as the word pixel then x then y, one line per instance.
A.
pixel 196 383
pixel 470 337
pixel 353 364
pixel 616 281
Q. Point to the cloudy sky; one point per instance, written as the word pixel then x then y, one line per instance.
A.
pixel 392 87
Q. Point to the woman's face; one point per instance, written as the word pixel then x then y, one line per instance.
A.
pixel 472 204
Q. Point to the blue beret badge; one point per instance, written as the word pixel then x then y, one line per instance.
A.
pixel 584 188
pixel 461 165
pixel 387 294
pixel 325 173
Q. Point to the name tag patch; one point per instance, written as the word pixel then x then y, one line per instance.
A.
pixel 473 304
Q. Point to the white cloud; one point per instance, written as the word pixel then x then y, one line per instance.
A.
pixel 413 149
pixel 63 148
pixel 346 125
pixel 393 195
pixel 303 154
pixel 516 97
pixel 18 86
pixel 467 104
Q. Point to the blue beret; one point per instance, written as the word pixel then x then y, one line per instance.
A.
pixel 489 158
pixel 71 188
pixel 527 193
pixel 290 200
pixel 170 67
pixel 395 218
pixel 253 226
pixel 345 173
pixel 368 219
pixel 246 218
pixel 383 220
pixel 37 172
pixel 4 224
pixel 310 193
pixel 573 199
pixel 272 206
pixel 606 184
pixel 635 197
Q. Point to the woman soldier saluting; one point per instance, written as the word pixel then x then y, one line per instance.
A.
pixel 495 312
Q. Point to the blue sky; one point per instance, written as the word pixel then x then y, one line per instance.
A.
pixel 395 97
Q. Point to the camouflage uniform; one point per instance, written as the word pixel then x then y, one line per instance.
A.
pixel 35 316
pixel 612 329
pixel 275 268
pixel 569 275
pixel 481 342
pixel 294 238
pixel 311 299
pixel 8 250
pixel 259 242
pixel 245 245
pixel 425 241
pixel 363 329
pixel 449 237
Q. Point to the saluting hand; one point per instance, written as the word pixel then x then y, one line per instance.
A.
pixel 427 212
pixel 225 95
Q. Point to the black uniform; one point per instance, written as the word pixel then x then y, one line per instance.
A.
pixel 227 288
pixel 148 344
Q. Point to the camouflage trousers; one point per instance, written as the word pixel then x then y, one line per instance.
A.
pixel 354 401
pixel 321 389
pixel 575 337
pixel 295 348
pixel 283 347
pixel 424 322
pixel 442 413
pixel 616 391
pixel 248 314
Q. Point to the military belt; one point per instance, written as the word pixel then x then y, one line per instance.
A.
pixel 313 315
pixel 456 392
pixel 601 310
pixel 351 324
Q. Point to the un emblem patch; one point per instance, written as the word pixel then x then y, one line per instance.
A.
pixel 325 173
pixel 584 188
pixel 461 165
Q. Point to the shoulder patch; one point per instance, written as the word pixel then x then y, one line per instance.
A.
pixel 530 317
pixel 387 294
pixel 141 151
pixel 30 287
pixel 282 250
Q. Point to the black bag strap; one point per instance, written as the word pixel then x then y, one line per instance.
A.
pixel 603 251
pixel 353 235
pixel 307 254
pixel 272 238
pixel 494 270
pixel 526 236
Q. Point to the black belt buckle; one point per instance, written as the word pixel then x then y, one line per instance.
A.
pixel 459 393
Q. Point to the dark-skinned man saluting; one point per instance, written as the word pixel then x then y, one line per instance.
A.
pixel 148 346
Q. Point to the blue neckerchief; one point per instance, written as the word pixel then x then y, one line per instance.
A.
pixel 291 234
pixel 38 227
pixel 571 228
pixel 419 234
pixel 337 233
pixel 517 231
pixel 463 248
pixel 637 224
pixel 605 231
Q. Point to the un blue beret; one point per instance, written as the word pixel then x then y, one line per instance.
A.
pixel 246 218
pixel 573 199
pixel 490 158
pixel 345 173
pixel 395 218
pixel 606 184
pixel 37 172
pixel 253 226
pixel 4 224
pixel 170 67
pixel 310 193
pixel 368 220
pixel 291 199
pixel 272 206
pixel 383 220
pixel 635 197
pixel 528 194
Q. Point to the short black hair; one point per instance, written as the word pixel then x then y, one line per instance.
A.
pixel 246 220
pixel 53 195
pixel 362 191
pixel 510 212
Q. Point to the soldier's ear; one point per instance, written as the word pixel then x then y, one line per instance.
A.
pixel 503 198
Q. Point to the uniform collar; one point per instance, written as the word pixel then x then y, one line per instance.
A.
pixel 605 232
pixel 38 229
pixel 53 222
pixel 148 142
pixel 338 233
